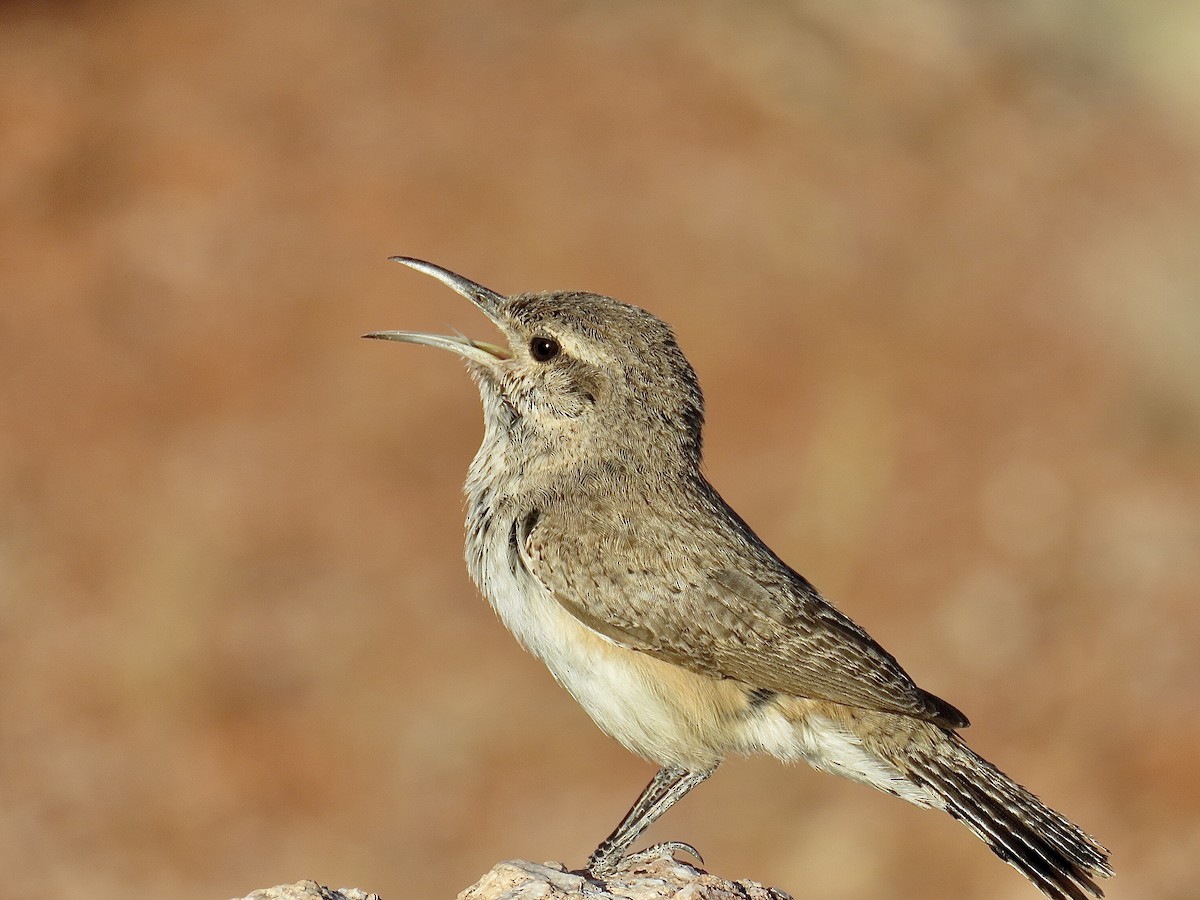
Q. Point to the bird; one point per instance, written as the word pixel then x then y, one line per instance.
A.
pixel 596 537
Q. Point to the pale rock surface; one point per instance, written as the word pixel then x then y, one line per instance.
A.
pixel 653 880
pixel 309 890
pixel 519 880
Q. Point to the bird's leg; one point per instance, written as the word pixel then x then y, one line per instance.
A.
pixel 668 786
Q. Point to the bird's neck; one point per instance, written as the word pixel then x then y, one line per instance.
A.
pixel 520 467
pixel 509 478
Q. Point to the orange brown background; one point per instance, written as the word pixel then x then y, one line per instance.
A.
pixel 937 266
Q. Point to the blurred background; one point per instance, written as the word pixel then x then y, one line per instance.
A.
pixel 937 266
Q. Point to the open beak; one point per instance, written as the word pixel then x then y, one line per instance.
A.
pixel 486 299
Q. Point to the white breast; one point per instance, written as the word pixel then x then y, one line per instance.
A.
pixel 652 708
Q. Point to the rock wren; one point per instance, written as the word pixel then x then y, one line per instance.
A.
pixel 595 536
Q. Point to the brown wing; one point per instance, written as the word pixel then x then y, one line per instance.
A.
pixel 724 607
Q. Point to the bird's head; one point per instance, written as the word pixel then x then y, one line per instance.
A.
pixel 582 376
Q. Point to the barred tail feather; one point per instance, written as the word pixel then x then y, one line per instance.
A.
pixel 1057 856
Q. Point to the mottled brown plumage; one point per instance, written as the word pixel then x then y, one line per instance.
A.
pixel 712 598
pixel 594 534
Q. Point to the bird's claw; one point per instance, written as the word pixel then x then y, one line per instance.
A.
pixel 670 848
pixel 665 850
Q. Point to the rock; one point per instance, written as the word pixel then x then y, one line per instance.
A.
pixel 656 879
pixel 653 880
pixel 309 890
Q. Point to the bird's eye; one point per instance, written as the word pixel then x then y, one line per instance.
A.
pixel 543 348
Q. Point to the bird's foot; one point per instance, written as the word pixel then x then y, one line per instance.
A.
pixel 603 866
pixel 665 850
